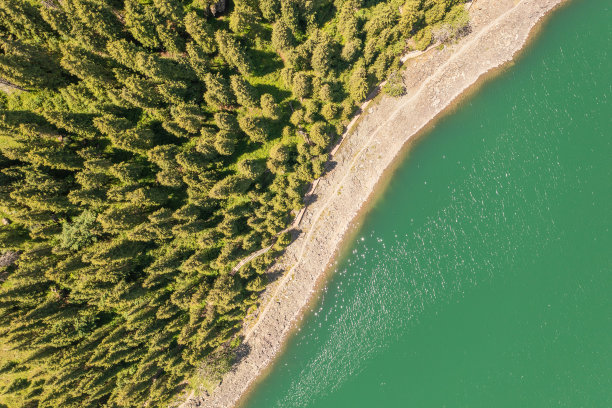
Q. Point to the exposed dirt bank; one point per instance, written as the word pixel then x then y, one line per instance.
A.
pixel 434 80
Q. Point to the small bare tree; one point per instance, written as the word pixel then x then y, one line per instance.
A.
pixel 8 258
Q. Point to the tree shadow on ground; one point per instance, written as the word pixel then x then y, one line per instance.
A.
pixel 274 274
pixel 278 94
pixel 265 62
pixel 330 165
pixel 243 350
pixel 310 198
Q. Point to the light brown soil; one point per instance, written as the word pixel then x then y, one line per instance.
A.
pixel 434 80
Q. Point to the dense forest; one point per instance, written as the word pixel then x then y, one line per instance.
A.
pixel 146 146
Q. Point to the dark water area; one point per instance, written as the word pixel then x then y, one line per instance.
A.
pixel 483 275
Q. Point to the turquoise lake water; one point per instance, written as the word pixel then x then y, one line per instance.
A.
pixel 482 277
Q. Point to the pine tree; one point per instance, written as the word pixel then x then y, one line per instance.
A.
pixel 218 93
pixel 175 92
pixel 301 85
pixel 124 52
pixel 279 156
pixel 358 84
pixel 243 17
pixel 162 69
pixel 164 157
pixel 226 121
pixel 23 21
pixel 319 134
pixel 233 53
pixel 136 140
pixel 270 9
pixel 329 111
pixel 381 65
pixel 56 18
pixel 269 106
pixel 204 144
pixel 40 191
pixel 140 92
pixel 287 76
pixel 326 93
pixel 198 61
pixel 411 16
pixel 201 32
pixel 370 50
pixel 188 116
pixel 225 142
pixel 99 17
pixel 28 65
pixel 297 117
pixel 351 50
pixel 251 168
pixel 282 37
pixel 257 284
pixel 383 16
pixel 322 61
pixel 255 127
pixel 79 233
pixel 290 14
pixel 141 22
pixel 229 186
pixel 244 91
pixel 78 123
pixel 299 58
pixel 171 38
pixel 191 160
pixel 170 8
pixel 347 20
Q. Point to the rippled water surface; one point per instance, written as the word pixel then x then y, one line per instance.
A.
pixel 483 276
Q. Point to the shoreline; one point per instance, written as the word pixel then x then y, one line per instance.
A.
pixel 436 84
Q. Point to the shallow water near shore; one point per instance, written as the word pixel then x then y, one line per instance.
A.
pixel 482 276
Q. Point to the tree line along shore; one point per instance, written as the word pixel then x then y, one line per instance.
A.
pixel 146 146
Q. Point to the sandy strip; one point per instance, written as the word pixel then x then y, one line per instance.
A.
pixel 500 28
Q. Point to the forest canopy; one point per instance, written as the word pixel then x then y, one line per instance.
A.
pixel 146 146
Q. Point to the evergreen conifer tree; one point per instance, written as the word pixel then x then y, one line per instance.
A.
pixel 282 37
pixel 244 91
pixel 141 22
pixel 301 85
pixel 269 106
pixel 255 127
pixel 218 93
pixel 358 84
pixel 270 9
pixel 233 53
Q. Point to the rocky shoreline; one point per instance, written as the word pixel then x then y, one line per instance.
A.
pixel 434 80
